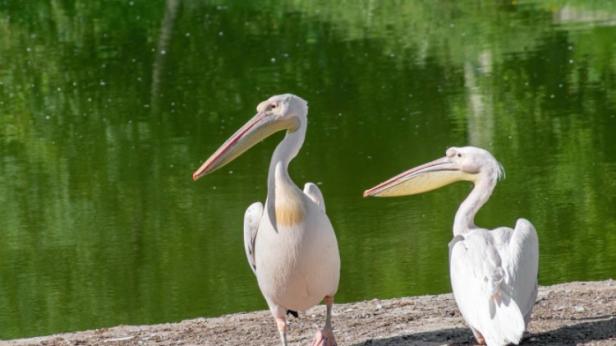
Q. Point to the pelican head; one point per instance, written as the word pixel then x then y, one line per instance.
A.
pixel 279 112
pixel 459 164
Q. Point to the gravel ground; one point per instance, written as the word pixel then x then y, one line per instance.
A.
pixel 577 313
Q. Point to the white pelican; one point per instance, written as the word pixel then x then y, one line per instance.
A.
pixel 290 243
pixel 493 272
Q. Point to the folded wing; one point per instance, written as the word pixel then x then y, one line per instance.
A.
pixel 252 219
pixel 314 193
pixel 522 263
pixel 479 283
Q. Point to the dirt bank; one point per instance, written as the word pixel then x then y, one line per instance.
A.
pixel 578 313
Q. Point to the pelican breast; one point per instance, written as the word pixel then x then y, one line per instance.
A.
pixel 289 205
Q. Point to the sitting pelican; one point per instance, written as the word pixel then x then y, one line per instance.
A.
pixel 493 272
pixel 290 243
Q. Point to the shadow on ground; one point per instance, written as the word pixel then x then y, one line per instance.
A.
pixel 595 330
pixel 453 336
pixel 574 334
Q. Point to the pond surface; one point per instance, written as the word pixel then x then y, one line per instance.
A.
pixel 106 109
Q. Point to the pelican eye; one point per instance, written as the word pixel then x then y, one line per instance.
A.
pixel 459 155
pixel 271 107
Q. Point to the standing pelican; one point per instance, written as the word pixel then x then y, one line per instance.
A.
pixel 493 272
pixel 290 243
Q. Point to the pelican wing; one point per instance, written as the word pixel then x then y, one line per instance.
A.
pixel 478 280
pixel 521 258
pixel 314 193
pixel 252 219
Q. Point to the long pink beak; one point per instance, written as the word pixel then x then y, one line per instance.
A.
pixel 243 139
pixel 426 177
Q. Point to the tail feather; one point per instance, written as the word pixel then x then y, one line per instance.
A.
pixel 506 324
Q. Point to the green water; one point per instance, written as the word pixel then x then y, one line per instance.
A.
pixel 107 107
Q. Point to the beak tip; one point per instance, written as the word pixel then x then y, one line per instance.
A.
pixel 367 193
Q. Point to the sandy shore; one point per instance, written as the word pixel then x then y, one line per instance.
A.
pixel 578 313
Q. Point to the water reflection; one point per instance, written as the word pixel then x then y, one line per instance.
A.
pixel 100 132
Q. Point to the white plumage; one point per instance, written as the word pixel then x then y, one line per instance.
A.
pixel 252 219
pixel 297 265
pixel 493 272
pixel 494 280
pixel 289 241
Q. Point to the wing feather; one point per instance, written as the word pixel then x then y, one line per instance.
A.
pixel 252 219
pixel 314 193
pixel 522 265
pixel 477 279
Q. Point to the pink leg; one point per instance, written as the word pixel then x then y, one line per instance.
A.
pixel 325 336
pixel 282 329
pixel 280 316
pixel 478 337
